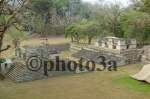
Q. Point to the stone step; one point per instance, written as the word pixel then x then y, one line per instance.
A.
pixel 15 74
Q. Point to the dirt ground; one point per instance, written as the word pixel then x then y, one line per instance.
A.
pixel 91 85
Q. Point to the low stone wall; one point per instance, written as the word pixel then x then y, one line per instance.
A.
pixel 41 51
pixel 75 47
pixel 122 58
pixel 93 56
pixel 61 47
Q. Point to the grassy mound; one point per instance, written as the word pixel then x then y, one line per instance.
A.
pixel 134 84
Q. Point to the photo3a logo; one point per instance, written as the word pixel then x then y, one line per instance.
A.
pixel 34 63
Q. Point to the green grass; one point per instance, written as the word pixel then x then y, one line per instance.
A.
pixel 134 84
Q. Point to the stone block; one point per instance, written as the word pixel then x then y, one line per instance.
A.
pixel 132 46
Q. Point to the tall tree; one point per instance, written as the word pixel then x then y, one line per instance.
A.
pixel 111 14
pixel 9 16
pixel 42 10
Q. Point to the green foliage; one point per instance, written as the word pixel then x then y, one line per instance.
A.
pixel 41 6
pixel 51 17
pixel 87 21
pixel 134 84
pixel 2 60
pixel 71 30
pixel 132 24
pixel 119 31
pixel 75 31
pixel 147 3
pixel 145 34
pixel 86 29
pixel 42 13
pixel 15 36
pixel 91 30
pixel 60 3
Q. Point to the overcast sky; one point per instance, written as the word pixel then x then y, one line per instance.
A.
pixel 123 2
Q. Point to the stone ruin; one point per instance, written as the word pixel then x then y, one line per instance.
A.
pixel 122 58
pixel 117 43
pixel 18 71
pixel 45 51
pixel 146 54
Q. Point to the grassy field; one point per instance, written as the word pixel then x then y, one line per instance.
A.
pixel 91 85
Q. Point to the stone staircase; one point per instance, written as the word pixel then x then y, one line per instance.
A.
pixel 15 71
pixel 20 73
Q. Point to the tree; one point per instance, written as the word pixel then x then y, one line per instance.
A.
pixel 145 34
pixel 84 29
pixel 59 4
pixel 135 25
pixel 15 37
pixel 91 30
pixel 73 32
pixel 147 3
pixel 59 15
pixel 119 31
pixel 42 13
pixel 111 14
pixel 9 16
pixel 142 5
pixel 10 11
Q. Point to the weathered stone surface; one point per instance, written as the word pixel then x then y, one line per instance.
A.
pixel 117 43
pixel 122 58
pixel 20 73
pixel 93 56
pixel 146 54
pixel 44 51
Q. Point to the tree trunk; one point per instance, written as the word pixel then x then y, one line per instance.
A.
pixel 72 39
pixel 89 40
pixel 1 40
pixel 0 69
pixel 78 40
pixel 113 29
pixel 84 40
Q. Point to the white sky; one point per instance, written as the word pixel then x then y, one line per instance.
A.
pixel 123 2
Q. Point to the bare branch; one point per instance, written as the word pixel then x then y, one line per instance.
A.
pixel 8 46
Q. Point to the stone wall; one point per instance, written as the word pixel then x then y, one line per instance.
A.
pixel 43 51
pixel 61 47
pixel 146 54
pixel 93 56
pixel 121 57
pixel 75 47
